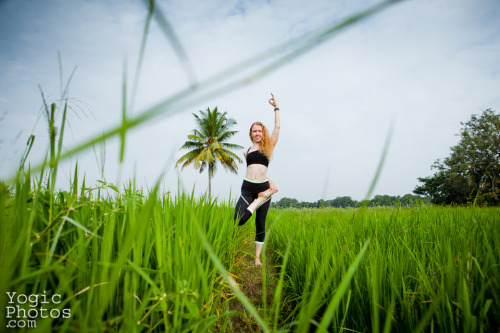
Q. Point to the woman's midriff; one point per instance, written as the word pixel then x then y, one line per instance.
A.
pixel 256 172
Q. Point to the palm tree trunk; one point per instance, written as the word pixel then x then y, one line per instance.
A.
pixel 210 181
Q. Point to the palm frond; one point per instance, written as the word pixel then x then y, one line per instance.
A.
pixel 189 157
pixel 197 137
pixel 228 146
pixel 192 144
pixel 227 161
pixel 233 156
pixel 226 135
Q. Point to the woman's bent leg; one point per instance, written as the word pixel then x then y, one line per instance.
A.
pixel 241 211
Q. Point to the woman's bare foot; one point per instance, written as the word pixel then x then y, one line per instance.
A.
pixel 258 262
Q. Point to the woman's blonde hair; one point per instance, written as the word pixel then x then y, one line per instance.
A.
pixel 266 146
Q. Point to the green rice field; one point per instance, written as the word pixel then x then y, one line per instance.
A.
pixel 391 269
pixel 131 260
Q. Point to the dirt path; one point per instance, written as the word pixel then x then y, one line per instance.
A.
pixel 249 278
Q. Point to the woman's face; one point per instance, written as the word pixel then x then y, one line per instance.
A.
pixel 256 133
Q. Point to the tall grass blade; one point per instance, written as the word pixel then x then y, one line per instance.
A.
pixel 142 50
pixel 380 164
pixel 169 32
pixel 29 145
pixel 64 93
pixel 79 226
pixel 279 288
pixel 123 130
pixel 342 289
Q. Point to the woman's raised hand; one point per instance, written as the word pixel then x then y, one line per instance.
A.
pixel 272 101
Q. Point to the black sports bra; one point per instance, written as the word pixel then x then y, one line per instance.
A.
pixel 256 157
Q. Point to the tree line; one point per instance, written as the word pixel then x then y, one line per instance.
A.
pixel 347 202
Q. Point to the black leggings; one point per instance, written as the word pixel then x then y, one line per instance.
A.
pixel 249 192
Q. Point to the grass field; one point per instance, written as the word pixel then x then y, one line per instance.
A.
pixel 386 269
pixel 131 261
pixel 135 261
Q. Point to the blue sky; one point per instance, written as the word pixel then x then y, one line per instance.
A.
pixel 426 65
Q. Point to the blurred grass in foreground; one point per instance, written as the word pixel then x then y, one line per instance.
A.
pixel 127 261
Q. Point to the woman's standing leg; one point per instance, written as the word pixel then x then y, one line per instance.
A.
pixel 260 227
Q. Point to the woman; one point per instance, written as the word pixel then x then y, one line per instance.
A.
pixel 257 189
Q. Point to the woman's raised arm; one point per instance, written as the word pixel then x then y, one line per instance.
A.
pixel 276 131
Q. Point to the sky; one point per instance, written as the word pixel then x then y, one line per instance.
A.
pixel 423 66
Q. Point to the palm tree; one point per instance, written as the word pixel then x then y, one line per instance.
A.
pixel 208 144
